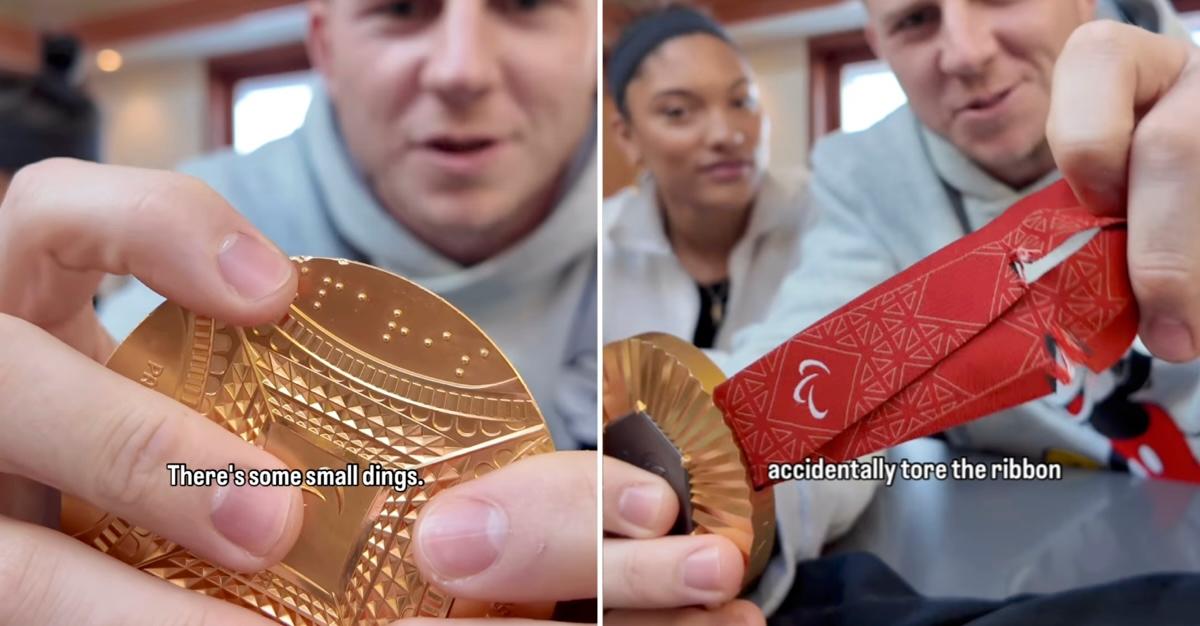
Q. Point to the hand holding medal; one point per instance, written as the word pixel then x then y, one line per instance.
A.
pixel 110 439
pixel 1040 288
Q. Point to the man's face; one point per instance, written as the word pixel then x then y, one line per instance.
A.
pixel 695 124
pixel 463 114
pixel 978 72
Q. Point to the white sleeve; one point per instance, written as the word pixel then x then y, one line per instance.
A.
pixel 808 515
pixel 121 311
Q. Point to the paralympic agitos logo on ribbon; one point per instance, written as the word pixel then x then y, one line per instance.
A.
pixel 804 389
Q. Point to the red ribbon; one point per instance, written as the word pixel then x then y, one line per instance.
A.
pixel 959 335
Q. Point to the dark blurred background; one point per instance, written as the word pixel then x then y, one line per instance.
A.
pixel 174 78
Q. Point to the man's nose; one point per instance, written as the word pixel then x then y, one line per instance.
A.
pixel 462 66
pixel 968 42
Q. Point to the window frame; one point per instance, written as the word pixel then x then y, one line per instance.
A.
pixel 225 72
pixel 828 55
pixel 1186 6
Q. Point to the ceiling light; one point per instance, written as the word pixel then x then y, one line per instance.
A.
pixel 109 60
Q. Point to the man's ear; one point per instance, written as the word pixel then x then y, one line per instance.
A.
pixel 623 131
pixel 317 42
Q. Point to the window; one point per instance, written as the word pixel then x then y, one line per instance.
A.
pixel 256 97
pixel 841 66
pixel 268 108
pixel 869 91
pixel 1191 20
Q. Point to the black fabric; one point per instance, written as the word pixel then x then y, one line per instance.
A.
pixel 857 589
pixel 714 299
pixel 644 35
pixel 46 116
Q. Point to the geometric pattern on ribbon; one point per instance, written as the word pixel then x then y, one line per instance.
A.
pixel 955 337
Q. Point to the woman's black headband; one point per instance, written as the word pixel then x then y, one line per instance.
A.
pixel 644 36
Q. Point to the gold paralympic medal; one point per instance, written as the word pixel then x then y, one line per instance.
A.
pixel 366 368
pixel 659 415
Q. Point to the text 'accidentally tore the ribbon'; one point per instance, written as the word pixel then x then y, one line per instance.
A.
pixel 374 475
pixel 880 469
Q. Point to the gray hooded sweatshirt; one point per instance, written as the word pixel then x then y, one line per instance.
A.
pixel 536 300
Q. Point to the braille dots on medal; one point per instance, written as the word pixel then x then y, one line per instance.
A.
pixel 304 270
pixel 326 284
pixel 466 359
pixel 329 284
pixel 393 325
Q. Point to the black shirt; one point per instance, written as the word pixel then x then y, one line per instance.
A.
pixel 713 300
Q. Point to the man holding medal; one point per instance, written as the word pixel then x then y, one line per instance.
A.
pixel 1005 97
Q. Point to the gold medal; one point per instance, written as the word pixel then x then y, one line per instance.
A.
pixel 659 415
pixel 368 369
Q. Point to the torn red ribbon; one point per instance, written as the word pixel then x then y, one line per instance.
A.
pixel 984 324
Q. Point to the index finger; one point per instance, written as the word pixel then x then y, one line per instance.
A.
pixel 1107 74
pixel 64 223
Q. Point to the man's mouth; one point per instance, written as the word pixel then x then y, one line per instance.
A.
pixel 986 102
pixel 460 145
pixel 462 155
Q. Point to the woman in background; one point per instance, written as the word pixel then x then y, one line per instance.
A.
pixel 698 247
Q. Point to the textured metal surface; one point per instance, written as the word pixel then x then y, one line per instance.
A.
pixel 671 381
pixel 366 368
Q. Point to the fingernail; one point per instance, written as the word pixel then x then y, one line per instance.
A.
pixel 639 505
pixel 252 517
pixel 461 537
pixel 251 267
pixel 1171 339
pixel 702 570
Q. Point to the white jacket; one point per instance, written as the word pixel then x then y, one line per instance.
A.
pixel 647 290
